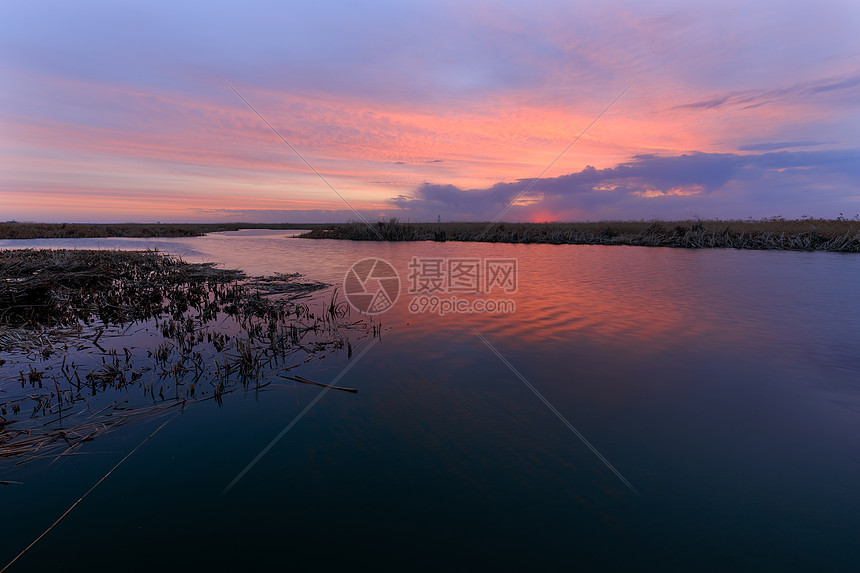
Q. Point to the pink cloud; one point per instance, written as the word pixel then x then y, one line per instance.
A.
pixel 468 95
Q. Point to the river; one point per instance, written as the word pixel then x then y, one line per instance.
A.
pixel 629 408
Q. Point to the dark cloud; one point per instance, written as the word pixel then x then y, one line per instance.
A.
pixel 757 98
pixel 775 145
pixel 831 85
pixel 706 104
pixel 697 184
pixel 755 105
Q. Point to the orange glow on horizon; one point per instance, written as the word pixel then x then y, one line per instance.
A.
pixel 211 152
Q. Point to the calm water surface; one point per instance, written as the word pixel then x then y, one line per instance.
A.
pixel 724 386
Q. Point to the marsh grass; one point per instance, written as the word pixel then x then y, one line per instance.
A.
pixel 93 340
pixel 16 230
pixel 840 235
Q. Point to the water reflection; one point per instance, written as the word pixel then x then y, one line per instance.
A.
pixel 722 384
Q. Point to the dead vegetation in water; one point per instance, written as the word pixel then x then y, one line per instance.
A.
pixel 93 340
pixel 63 287
pixel 838 235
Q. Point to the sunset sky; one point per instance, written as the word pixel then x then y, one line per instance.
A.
pixel 121 111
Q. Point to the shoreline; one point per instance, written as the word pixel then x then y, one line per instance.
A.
pixel 16 230
pixel 833 235
pixel 839 235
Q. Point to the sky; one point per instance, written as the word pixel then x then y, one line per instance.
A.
pixel 424 110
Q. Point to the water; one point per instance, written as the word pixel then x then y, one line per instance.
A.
pixel 723 385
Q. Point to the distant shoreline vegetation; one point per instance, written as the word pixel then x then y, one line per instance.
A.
pixel 838 235
pixel 16 230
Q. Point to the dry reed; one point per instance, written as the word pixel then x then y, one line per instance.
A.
pixel 93 340
pixel 840 235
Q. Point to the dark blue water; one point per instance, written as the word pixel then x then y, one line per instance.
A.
pixel 724 386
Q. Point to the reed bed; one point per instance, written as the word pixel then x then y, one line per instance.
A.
pixel 839 235
pixel 93 340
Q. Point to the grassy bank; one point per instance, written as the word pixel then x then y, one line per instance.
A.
pixel 778 234
pixel 14 230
